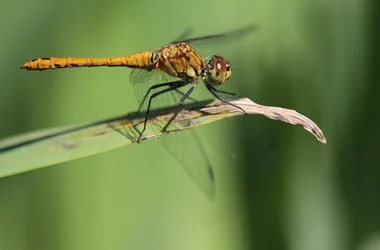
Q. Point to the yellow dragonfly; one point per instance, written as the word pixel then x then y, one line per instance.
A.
pixel 171 67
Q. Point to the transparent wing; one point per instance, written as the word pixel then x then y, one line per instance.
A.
pixel 143 80
pixel 234 34
pixel 185 35
pixel 188 150
pixel 143 85
pixel 185 146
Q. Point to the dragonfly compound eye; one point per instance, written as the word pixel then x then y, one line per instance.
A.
pixel 218 71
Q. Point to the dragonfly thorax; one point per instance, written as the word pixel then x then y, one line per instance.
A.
pixel 217 71
pixel 180 60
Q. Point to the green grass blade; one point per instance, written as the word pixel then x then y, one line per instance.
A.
pixel 48 147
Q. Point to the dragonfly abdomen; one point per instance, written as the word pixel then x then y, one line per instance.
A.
pixel 138 60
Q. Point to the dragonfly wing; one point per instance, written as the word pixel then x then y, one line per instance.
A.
pixel 188 151
pixel 184 146
pixel 143 81
pixel 234 34
pixel 185 35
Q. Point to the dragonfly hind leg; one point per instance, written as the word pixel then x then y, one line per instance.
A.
pixel 171 86
pixel 152 88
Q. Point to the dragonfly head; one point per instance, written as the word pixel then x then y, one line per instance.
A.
pixel 218 71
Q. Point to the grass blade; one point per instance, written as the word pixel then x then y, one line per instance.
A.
pixel 48 147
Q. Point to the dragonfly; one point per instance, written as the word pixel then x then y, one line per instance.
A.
pixel 167 69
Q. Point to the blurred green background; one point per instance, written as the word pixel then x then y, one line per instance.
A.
pixel 280 188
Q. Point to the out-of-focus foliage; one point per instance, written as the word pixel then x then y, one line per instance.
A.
pixel 277 188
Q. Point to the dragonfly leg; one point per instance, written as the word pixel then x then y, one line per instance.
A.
pixel 225 92
pixel 151 88
pixel 185 96
pixel 215 92
pixel 172 86
pixel 190 98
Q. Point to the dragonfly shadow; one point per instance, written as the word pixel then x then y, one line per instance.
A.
pixel 175 110
pixel 114 123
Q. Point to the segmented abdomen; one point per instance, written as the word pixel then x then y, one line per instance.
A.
pixel 138 60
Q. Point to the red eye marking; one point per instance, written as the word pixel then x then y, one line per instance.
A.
pixel 220 66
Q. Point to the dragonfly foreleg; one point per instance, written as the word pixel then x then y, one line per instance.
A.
pixel 224 92
pixel 215 92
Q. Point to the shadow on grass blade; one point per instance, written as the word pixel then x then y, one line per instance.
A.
pixel 48 147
